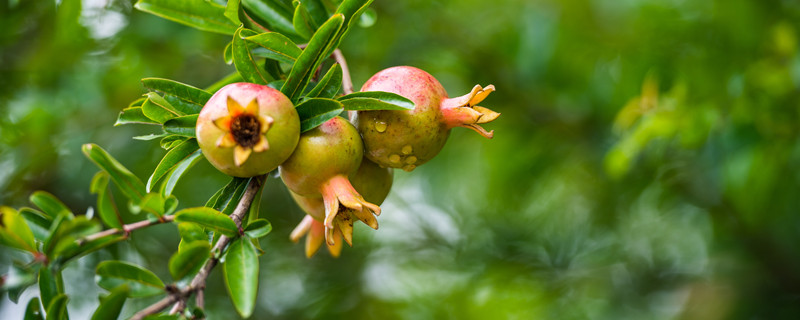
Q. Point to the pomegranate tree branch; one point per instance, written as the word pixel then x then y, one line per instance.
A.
pixel 198 284
pixel 347 83
pixel 127 228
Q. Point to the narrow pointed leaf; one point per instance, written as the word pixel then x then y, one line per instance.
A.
pixel 314 112
pixel 111 304
pixel 171 160
pixel 48 286
pixel 129 184
pixel 14 231
pixel 141 282
pixel 105 204
pixel 182 167
pixel 258 228
pixel 49 204
pixel 312 56
pixel 225 199
pixel 302 21
pixel 208 218
pixel 351 10
pixel 241 275
pixel 275 46
pixel 159 109
pixel 172 140
pixel 243 59
pixel 37 221
pixel 184 126
pixel 367 101
pixel 192 98
pixel 271 14
pixel 329 85
pixel 189 259
pixel 199 14
pixel 232 11
pixel 133 115
pixel 33 311
pixel 57 310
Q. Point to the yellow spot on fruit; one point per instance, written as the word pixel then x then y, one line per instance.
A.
pixel 407 149
pixel 411 160
pixel 394 158
pixel 380 126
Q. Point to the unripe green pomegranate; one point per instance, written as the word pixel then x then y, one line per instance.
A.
pixel 320 166
pixel 409 138
pixel 247 129
pixel 371 181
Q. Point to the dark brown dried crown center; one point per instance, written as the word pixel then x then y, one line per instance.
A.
pixel 246 130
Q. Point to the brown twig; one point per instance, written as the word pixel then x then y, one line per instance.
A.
pixel 198 284
pixel 347 83
pixel 126 228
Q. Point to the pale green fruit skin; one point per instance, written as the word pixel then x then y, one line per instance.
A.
pixel 333 148
pixel 283 134
pixel 371 181
pixel 419 133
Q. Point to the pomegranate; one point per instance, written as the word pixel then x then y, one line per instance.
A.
pixel 371 181
pixel 319 168
pixel 247 129
pixel 409 138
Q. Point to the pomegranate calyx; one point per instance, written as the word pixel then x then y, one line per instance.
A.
pixel 464 112
pixel 245 130
pixel 342 204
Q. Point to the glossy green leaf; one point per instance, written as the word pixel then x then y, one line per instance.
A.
pixel 151 136
pixel 152 203
pixel 189 233
pixel 14 231
pixel 111 304
pixel 141 282
pixel 273 67
pixel 171 160
pixel 258 228
pixel 34 310
pixel 312 56
pixel 48 285
pixel 158 112
pixel 57 310
pixel 106 208
pixel 351 10
pixel 227 53
pixel 314 112
pixel 232 11
pixel 276 46
pixel 49 204
pixel 208 218
pixel 376 100
pixel 189 259
pixel 241 275
pixel 271 14
pixel 129 184
pixel 317 11
pixel 329 85
pixel 172 140
pixel 226 199
pixel 77 249
pixel 37 221
pixel 133 115
pixel 183 126
pixel 64 240
pixel 53 236
pixel 302 21
pixel 244 60
pixel 200 14
pixel 182 167
pixel 191 99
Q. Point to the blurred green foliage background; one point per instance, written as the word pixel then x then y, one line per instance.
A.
pixel 644 166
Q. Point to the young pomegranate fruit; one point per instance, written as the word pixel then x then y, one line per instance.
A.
pixel 409 138
pixel 371 181
pixel 247 129
pixel 320 166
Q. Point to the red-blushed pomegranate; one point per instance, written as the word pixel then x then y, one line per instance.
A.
pixel 371 181
pixel 409 138
pixel 247 129
pixel 320 166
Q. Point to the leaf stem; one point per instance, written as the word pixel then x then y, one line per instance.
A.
pixel 347 83
pixel 126 228
pixel 198 284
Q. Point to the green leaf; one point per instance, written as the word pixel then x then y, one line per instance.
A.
pixel 351 10
pixel 189 259
pixel 199 14
pixel 302 21
pixel 312 56
pixel 258 228
pixel 182 167
pixel 33 311
pixel 317 11
pixel 241 275
pixel 49 204
pixel 77 249
pixel 48 285
pixel 278 46
pixel 243 59
pixel 172 140
pixel 133 115
pixel 376 100
pixel 151 136
pixel 329 85
pixel 190 99
pixel 105 204
pixel 232 11
pixel 64 240
pixel 171 160
pixel 208 218
pixel 152 203
pixel 141 282
pixel 189 233
pixel 37 221
pixel 14 231
pixel 226 199
pixel 227 54
pixel 57 310
pixel 271 14
pixel 111 305
pixel 158 109
pixel 129 184
pixel 314 112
